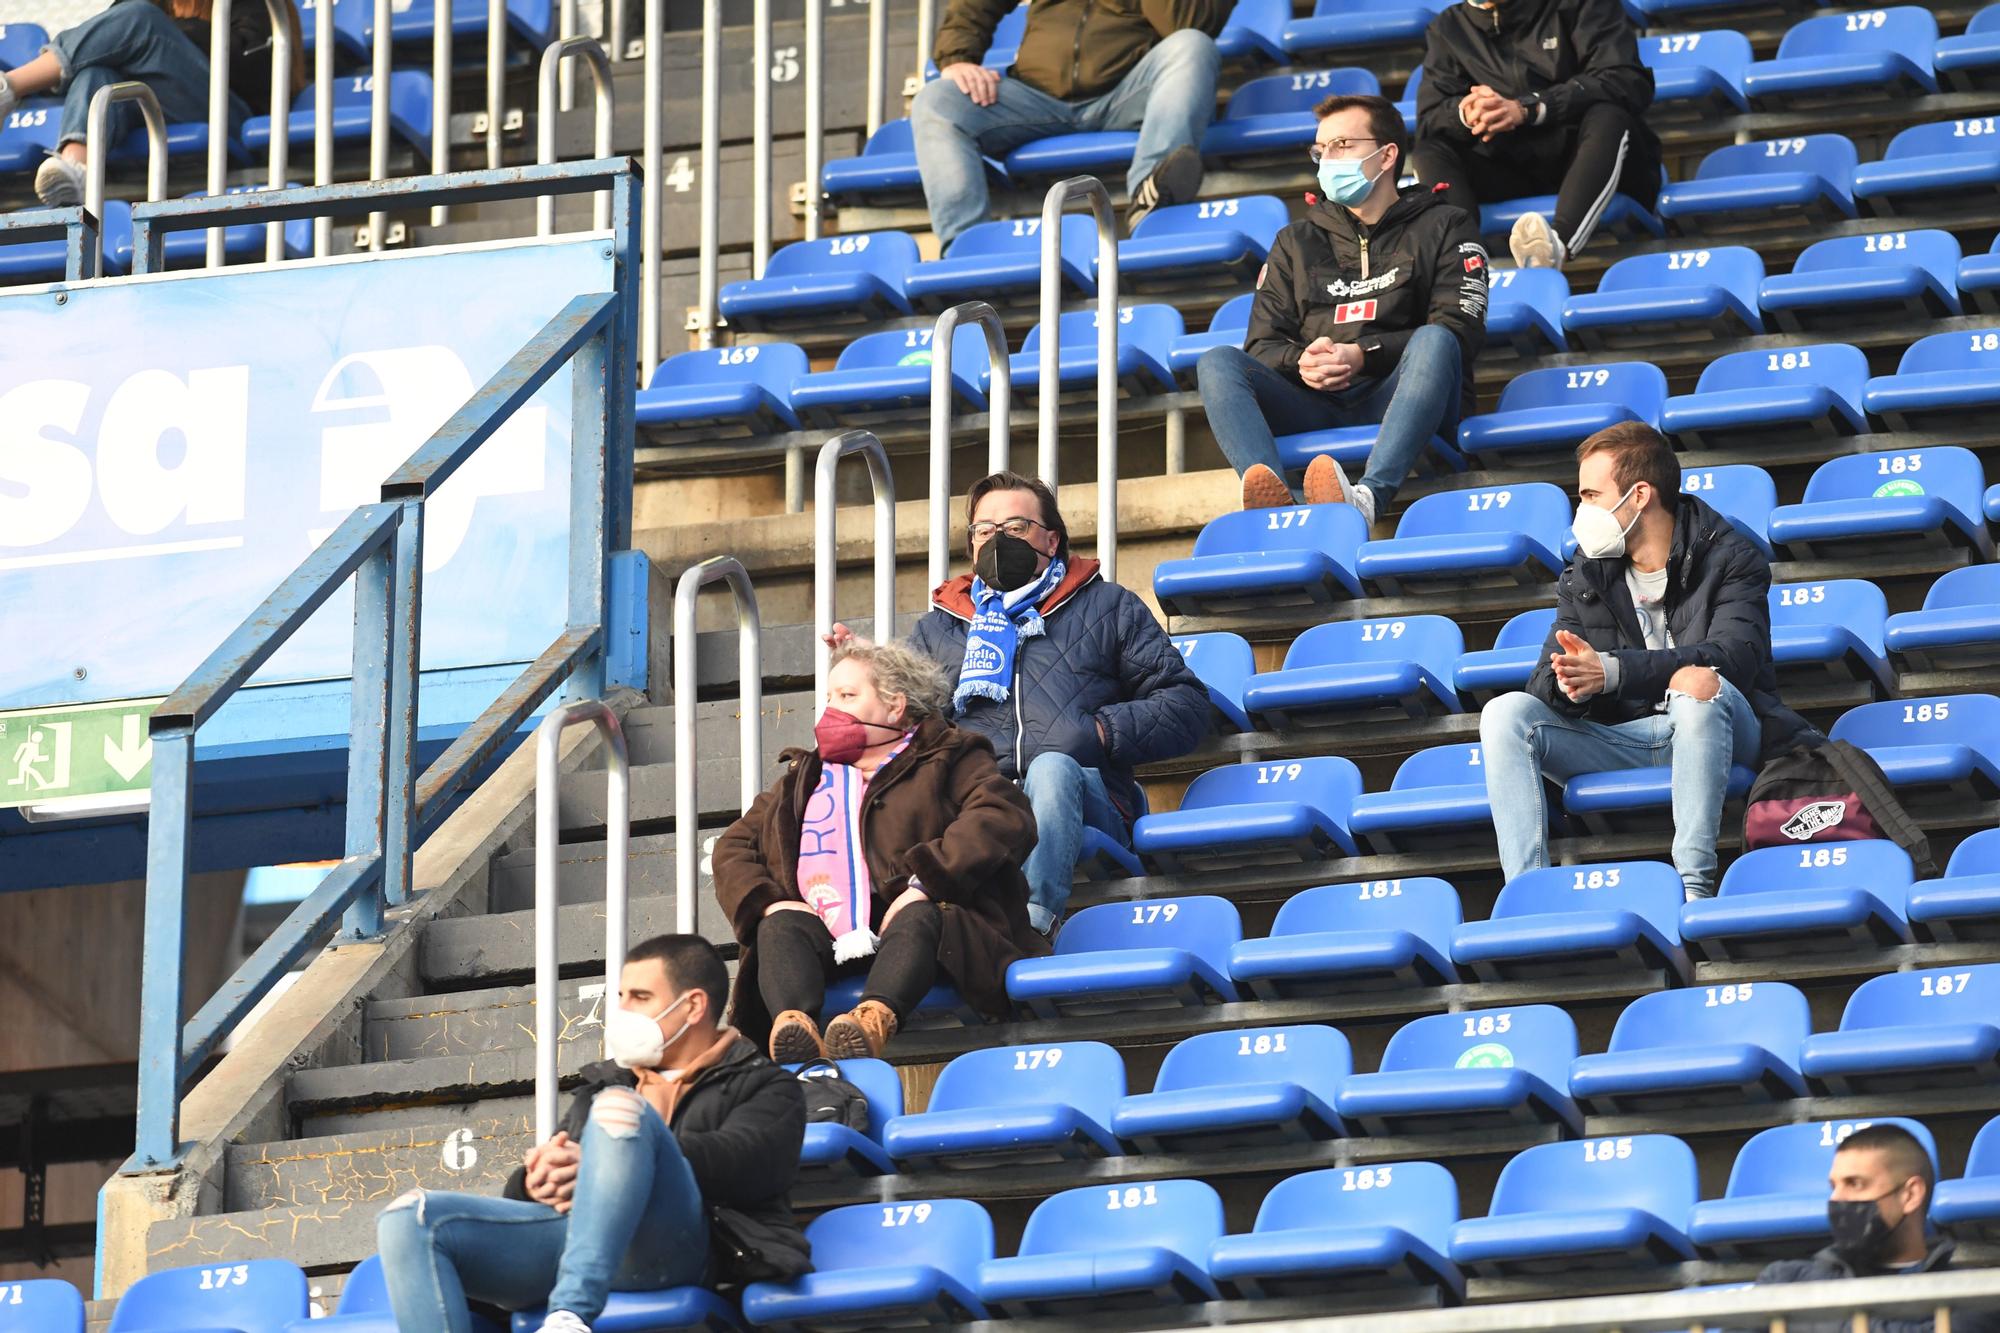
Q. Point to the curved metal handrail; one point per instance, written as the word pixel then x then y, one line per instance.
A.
pixel 97 148
pixel 999 403
pixel 1092 190
pixel 554 56
pixel 750 720
pixel 824 574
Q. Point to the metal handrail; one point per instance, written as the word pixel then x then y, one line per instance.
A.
pixel 496 79
pixel 652 295
pixel 322 119
pixel 815 117
pixel 566 29
pixel 999 403
pixel 378 115
pixel 878 62
pixel 750 717
pixel 280 14
pixel 441 44
pixel 548 847
pixel 760 137
pixel 97 147
pixel 707 265
pixel 883 482
pixel 1060 195
pixel 555 56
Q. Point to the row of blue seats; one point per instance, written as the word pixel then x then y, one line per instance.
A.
pixel 46 261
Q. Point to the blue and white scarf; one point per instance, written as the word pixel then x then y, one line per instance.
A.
pixel 1000 622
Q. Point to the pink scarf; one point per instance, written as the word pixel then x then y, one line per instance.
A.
pixel 832 869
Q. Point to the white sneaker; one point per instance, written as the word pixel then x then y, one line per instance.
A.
pixel 59 182
pixel 1363 499
pixel 1535 244
pixel 562 1321
pixel 9 99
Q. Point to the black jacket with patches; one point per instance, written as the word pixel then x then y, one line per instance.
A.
pixel 1329 276
pixel 1575 53
pixel 1717 609
pixel 739 1123
pixel 1828 1266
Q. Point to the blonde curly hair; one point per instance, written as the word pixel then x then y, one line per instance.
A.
pixel 899 670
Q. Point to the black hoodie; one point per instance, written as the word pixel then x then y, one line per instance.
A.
pixel 1828 1266
pixel 1575 53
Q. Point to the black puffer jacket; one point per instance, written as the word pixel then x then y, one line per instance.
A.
pixel 1575 53
pixel 1717 607
pixel 1828 1266
pixel 1328 276
pixel 1103 658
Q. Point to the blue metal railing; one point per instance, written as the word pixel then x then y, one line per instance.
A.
pixel 380 547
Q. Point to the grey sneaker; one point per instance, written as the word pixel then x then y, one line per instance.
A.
pixel 59 182
pixel 9 99
pixel 1175 181
pixel 562 1321
pixel 1535 244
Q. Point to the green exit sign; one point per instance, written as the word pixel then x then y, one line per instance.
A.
pixel 49 755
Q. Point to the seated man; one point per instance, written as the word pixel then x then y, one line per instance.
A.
pixel 1528 97
pixel 1369 311
pixel 672 1167
pixel 1083 65
pixel 1071 678
pixel 1660 654
pixel 1882 1181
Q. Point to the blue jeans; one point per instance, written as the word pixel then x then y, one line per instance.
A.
pixel 1525 741
pixel 1169 97
pixel 1066 796
pixel 1249 405
pixel 134 40
pixel 637 1224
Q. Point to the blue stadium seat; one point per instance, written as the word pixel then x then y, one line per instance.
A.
pixel 1002 47
pixel 1965 903
pixel 1098 1249
pixel 1163 953
pixel 1104 153
pixel 20 43
pixel 1226 328
pixel 1741 492
pixel 364 1307
pixel 1944 381
pixel 835 280
pixel 414 22
pixel 242 243
pixel 1949 744
pixel 1524 311
pixel 1677 295
pixel 1898 501
pixel 1223 662
pixel 1630 800
pixel 1971 62
pixel 834 1151
pixel 1496 536
pixel 1351 669
pixel 1624 218
pixel 1346 1231
pixel 1748 186
pixel 353 111
pixel 886 170
pixel 1216 242
pixel 1350 446
pixel 1775 1204
pixel 1831 629
pixel 1014 1106
pixel 889 373
pixel 1950 165
pixel 1300 556
pixel 926 1272
pixel 28 133
pixel 941 1007
pixel 1477 1070
pixel 1910 1031
pixel 1001 261
pixel 1847 282
pixel 1344 25
pixel 1437 798
pixel 1979 280
pixel 1696 75
pixel 1341 938
pixel 1272 116
pixel 1407 103
pixel 1245 1088
pixel 346 29
pixel 1969 1207
pixel 43 1304
pixel 1255 32
pixel 1621 918
pixel 1757 398
pixel 1100 857
pixel 1727 1045
pixel 214 1298
pixel 669 1310
pixel 1787 902
pixel 1845 58
pixel 1146 336
pixel 1557 408
pixel 1613 1203
pixel 1254 814
pixel 1959 626
pixel 724 391
pixel 1507 665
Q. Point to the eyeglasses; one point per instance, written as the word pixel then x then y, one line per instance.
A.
pixel 1337 147
pixel 1013 527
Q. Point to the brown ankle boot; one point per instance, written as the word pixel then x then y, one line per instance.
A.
pixel 795 1039
pixel 861 1035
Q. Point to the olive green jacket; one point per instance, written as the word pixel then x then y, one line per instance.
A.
pixel 1074 49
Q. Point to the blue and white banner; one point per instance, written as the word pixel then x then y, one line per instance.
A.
pixel 171 448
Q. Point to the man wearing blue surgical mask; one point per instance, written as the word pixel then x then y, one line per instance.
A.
pixel 1368 314
pixel 1660 655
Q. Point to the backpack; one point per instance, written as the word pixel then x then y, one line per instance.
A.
pixel 1830 791
pixel 830 1098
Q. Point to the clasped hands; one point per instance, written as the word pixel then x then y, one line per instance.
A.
pixel 1488 114
pixel 1579 668
pixel 1329 366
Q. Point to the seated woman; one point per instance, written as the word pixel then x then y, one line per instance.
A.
pixel 893 849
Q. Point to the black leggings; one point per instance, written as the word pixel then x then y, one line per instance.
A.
pixel 795 960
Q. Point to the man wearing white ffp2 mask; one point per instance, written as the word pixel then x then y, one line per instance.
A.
pixel 673 1166
pixel 1660 655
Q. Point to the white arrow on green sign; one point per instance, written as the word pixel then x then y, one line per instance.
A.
pixel 52 754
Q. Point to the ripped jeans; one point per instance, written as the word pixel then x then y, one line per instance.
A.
pixel 637 1224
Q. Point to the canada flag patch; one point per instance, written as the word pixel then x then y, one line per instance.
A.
pixel 1353 312
pixel 1474 263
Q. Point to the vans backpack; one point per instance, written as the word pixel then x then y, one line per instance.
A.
pixel 1830 791
pixel 832 1099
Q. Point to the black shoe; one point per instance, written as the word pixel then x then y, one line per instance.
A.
pixel 1175 181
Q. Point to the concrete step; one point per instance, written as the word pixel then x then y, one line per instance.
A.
pixel 464 1022
pixel 717 789
pixel 373 1168
pixel 317 1237
pixel 441 1080
pixel 460 952
pixel 788 721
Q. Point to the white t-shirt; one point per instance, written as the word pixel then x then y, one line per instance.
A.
pixel 1649 592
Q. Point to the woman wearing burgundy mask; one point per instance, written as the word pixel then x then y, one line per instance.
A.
pixel 892 849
